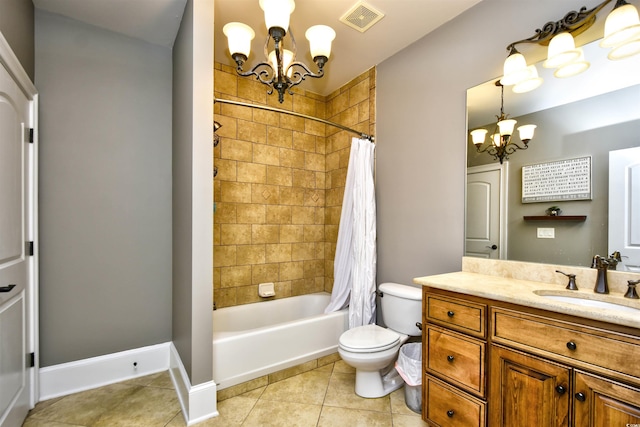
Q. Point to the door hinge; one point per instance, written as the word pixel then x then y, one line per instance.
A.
pixel 29 248
pixel 32 360
pixel 31 135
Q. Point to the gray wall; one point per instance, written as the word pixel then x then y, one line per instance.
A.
pixel 591 127
pixel 16 25
pixel 105 190
pixel 193 190
pixel 421 132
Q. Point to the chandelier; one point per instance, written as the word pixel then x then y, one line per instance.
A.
pixel 621 35
pixel 501 143
pixel 280 70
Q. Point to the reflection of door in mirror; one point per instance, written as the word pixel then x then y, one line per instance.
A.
pixel 624 207
pixel 485 216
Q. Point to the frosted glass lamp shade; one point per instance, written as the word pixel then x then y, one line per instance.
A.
pixel 506 127
pixel 625 49
pixel 239 37
pixel 320 38
pixel 573 68
pixel 287 58
pixel 526 132
pixel 562 50
pixel 496 140
pixel 277 13
pixel 531 83
pixel 622 25
pixel 515 70
pixel 478 136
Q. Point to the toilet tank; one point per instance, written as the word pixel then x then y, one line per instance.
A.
pixel 401 307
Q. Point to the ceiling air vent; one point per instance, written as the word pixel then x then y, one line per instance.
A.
pixel 361 16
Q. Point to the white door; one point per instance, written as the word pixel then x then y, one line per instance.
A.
pixel 17 267
pixel 624 207
pixel 485 212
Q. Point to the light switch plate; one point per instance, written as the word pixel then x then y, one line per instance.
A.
pixel 546 233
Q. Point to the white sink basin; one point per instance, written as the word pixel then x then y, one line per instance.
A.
pixel 590 303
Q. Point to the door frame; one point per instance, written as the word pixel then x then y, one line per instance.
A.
pixel 503 169
pixel 21 78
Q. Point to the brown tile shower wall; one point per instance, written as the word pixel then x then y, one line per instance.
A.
pixel 280 184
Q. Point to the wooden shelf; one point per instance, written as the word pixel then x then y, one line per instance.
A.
pixel 555 218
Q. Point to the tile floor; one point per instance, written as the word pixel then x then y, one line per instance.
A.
pixel 323 397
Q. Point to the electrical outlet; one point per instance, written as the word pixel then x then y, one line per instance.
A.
pixel 546 233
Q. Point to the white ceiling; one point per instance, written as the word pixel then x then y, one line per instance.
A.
pixel 157 21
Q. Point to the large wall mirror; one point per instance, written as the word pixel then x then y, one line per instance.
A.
pixel 589 115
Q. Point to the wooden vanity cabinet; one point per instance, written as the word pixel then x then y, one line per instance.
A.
pixel 454 362
pixel 487 362
pixel 527 390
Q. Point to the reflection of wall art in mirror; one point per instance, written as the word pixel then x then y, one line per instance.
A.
pixel 561 180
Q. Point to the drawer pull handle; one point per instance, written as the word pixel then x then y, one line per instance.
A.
pixel 450 358
pixel 581 397
pixel 450 313
pixel 561 389
pixel 571 345
pixel 450 413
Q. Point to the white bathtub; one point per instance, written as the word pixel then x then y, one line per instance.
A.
pixel 252 340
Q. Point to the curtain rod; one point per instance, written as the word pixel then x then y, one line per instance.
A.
pixel 293 113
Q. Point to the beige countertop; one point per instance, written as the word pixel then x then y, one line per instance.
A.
pixel 530 294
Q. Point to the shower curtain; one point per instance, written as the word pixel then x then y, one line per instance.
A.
pixel 354 268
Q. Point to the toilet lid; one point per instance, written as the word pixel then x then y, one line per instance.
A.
pixel 368 339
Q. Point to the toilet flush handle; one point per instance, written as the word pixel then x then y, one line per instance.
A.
pixel 419 325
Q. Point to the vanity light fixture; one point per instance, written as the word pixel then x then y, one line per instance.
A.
pixel 621 35
pixel 280 70
pixel 501 143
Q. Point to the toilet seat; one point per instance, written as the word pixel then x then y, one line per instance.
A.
pixel 368 339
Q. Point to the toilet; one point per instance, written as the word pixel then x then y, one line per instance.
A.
pixel 372 349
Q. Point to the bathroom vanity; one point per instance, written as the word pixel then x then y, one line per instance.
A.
pixel 503 351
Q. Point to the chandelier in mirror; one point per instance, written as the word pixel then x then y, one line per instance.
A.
pixel 280 70
pixel 621 35
pixel 501 143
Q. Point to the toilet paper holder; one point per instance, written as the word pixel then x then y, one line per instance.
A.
pixel 266 290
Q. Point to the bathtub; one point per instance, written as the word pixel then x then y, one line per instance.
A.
pixel 252 340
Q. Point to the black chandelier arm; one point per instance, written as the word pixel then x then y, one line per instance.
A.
pixel 299 75
pixel 572 21
pixel 512 147
pixel 263 71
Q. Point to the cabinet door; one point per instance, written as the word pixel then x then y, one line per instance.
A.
pixel 602 402
pixel 527 391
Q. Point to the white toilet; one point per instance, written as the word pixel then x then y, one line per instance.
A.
pixel 372 349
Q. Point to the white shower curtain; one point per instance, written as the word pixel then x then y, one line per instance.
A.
pixel 354 268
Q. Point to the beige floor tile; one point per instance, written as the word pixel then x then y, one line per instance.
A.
pixel 233 412
pixel 415 420
pixel 162 380
pixel 149 406
pixel 341 366
pixel 283 414
pixel 33 422
pixel 147 379
pixel 255 393
pixel 398 403
pixel 309 387
pixel 341 394
pixel 86 407
pixel 335 417
pixel 325 368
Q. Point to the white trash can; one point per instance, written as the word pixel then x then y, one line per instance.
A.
pixel 409 366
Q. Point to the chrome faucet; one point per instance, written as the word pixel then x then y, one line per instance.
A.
pixel 602 264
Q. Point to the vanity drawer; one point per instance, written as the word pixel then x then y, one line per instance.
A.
pixel 457 359
pixel 550 337
pixel 447 406
pixel 458 314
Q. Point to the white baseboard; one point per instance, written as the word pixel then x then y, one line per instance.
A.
pixel 198 402
pixel 72 377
